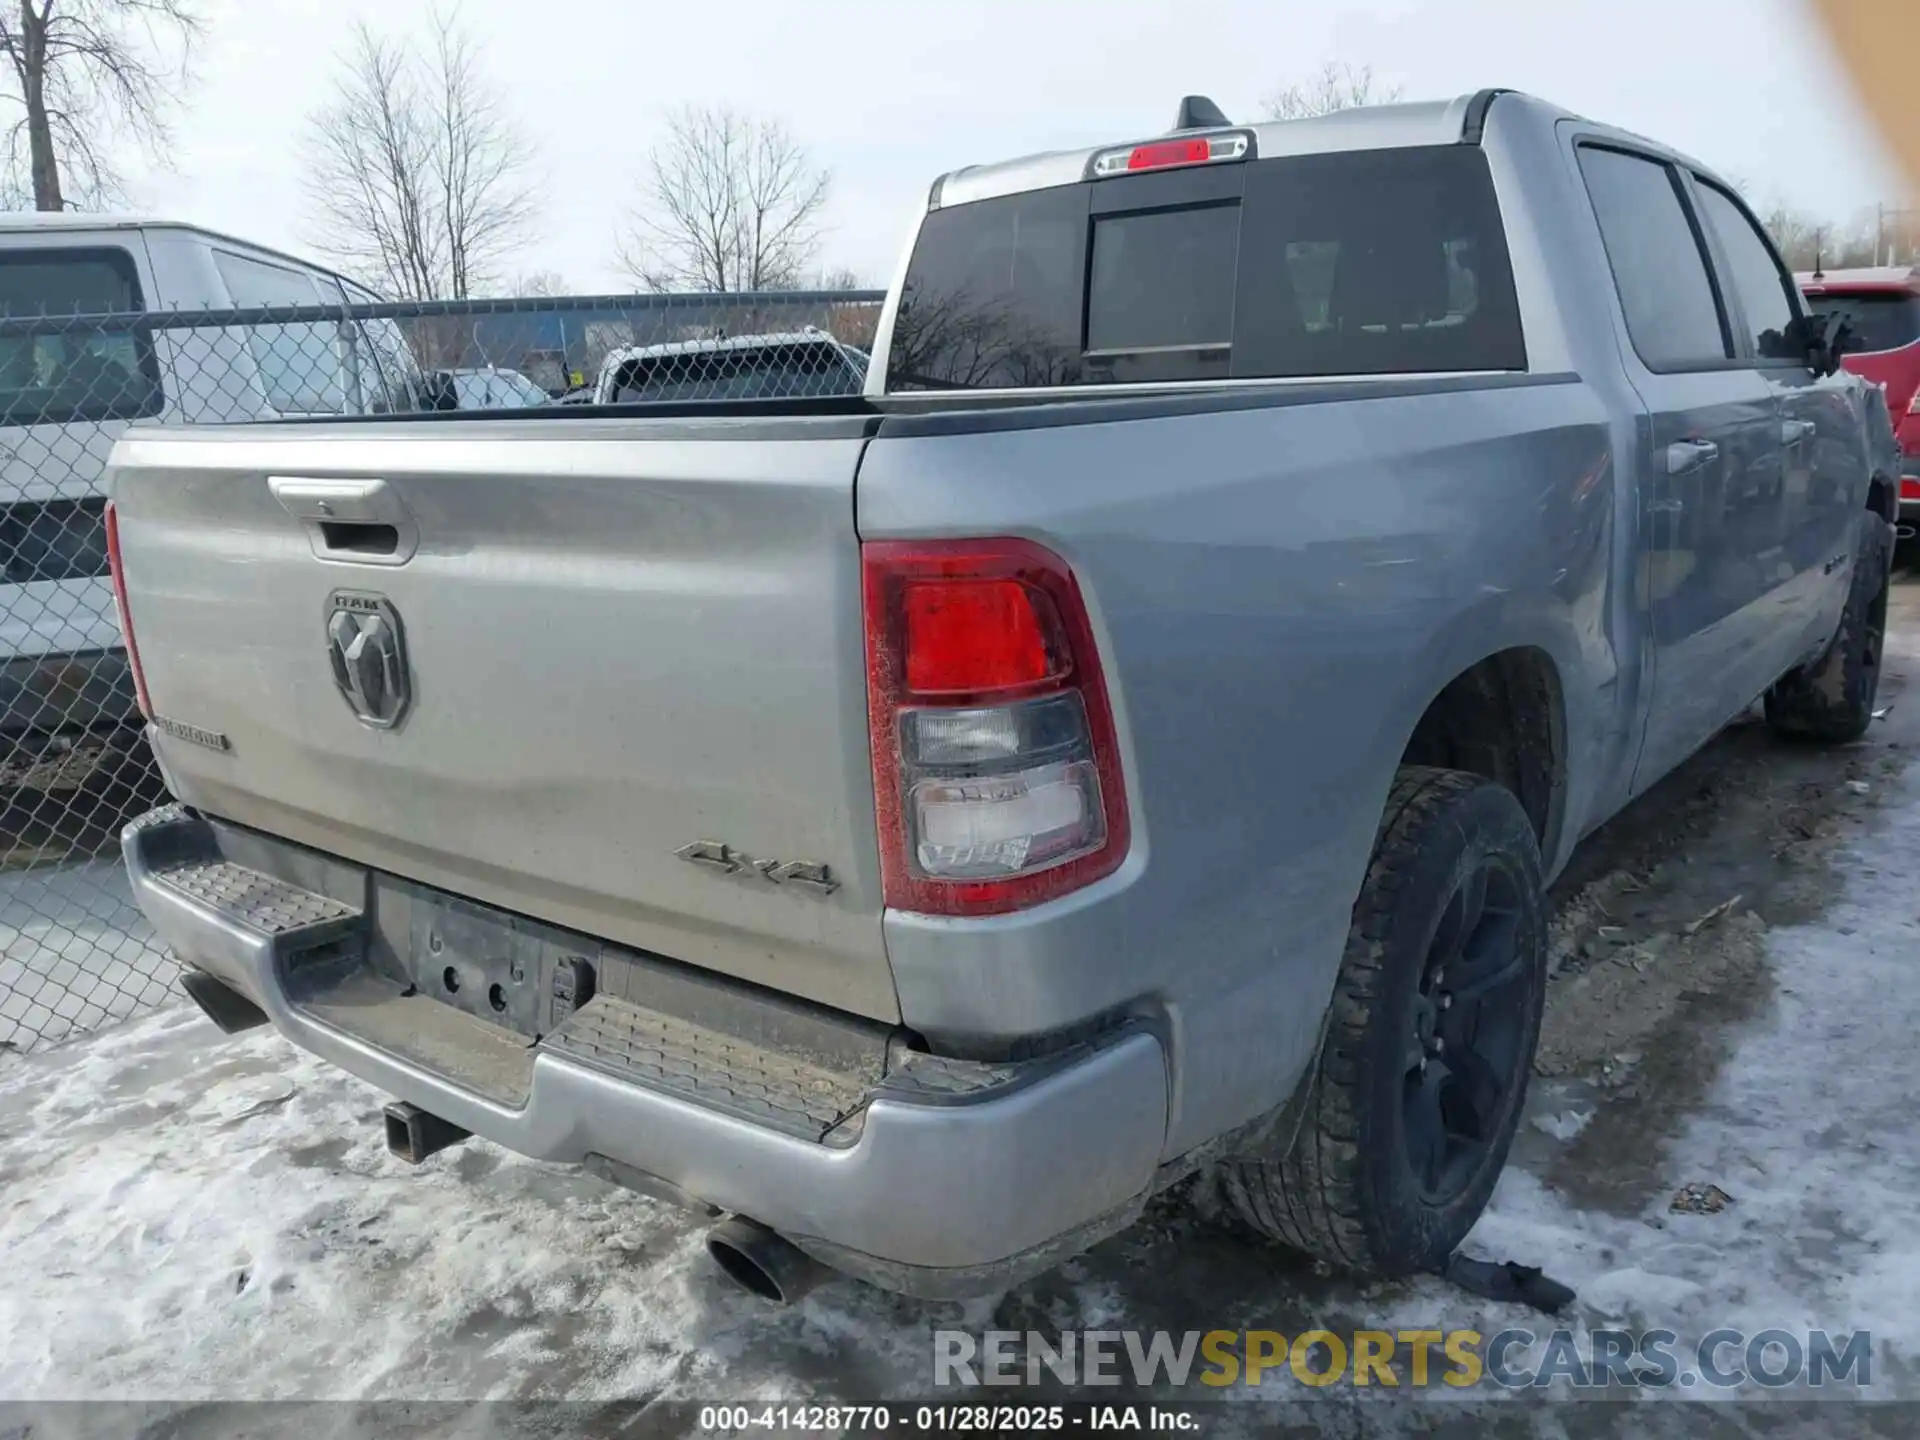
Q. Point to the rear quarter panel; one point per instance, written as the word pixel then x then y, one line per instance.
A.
pixel 1279 589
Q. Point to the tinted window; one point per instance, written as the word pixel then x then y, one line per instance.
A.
pixel 1163 280
pixel 1372 261
pixel 77 371
pixel 299 364
pixel 993 295
pixel 1877 319
pixel 1362 262
pixel 1658 268
pixel 1757 278
pixel 742 374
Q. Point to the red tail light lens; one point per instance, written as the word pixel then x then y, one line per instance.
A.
pixel 112 522
pixel 967 634
pixel 996 776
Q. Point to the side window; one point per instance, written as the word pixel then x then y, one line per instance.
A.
pixel 398 369
pixel 300 364
pixel 361 373
pixel 1754 273
pixel 1672 314
pixel 74 371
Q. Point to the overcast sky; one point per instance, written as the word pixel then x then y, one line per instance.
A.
pixel 890 94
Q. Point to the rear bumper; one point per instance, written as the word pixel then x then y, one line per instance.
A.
pixel 945 1178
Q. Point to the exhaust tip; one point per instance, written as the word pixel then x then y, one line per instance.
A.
pixel 221 1003
pixel 413 1134
pixel 760 1262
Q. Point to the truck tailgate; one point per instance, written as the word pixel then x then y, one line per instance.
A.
pixel 628 643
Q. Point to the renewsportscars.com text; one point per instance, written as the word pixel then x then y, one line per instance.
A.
pixel 1512 1359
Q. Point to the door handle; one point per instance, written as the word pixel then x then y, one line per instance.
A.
pixel 1792 432
pixel 371 502
pixel 362 522
pixel 1685 455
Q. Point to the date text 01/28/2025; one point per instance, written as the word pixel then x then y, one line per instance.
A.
pixel 976 1419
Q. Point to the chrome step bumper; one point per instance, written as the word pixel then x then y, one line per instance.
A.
pixel 927 1175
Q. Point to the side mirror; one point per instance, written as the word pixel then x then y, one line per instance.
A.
pixel 437 392
pixel 1823 340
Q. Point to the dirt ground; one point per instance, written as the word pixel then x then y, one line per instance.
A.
pixel 188 1216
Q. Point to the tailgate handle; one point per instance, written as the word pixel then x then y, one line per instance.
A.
pixel 360 522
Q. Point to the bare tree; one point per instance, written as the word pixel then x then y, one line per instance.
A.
pixel 541 284
pixel 1804 242
pixel 418 178
pixel 88 73
pixel 1337 86
pixel 729 203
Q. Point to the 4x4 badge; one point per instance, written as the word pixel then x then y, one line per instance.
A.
pixel 719 856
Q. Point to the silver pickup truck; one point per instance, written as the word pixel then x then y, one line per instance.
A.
pixel 1127 743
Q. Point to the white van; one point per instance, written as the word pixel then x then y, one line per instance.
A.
pixel 65 398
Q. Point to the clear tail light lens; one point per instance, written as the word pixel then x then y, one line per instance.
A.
pixel 996 775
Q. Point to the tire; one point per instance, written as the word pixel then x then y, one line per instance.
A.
pixel 1356 1186
pixel 1830 700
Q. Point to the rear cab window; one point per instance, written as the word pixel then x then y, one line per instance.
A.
pixel 1878 320
pixel 76 374
pixel 1349 263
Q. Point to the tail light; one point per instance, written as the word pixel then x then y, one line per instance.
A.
pixel 1913 405
pixel 996 776
pixel 120 605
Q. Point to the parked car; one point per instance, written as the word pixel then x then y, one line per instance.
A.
pixel 69 392
pixel 1130 741
pixel 484 389
pixel 1881 306
pixel 801 363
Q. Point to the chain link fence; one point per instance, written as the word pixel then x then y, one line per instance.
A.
pixel 74 765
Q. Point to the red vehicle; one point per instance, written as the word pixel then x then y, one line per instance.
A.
pixel 1882 304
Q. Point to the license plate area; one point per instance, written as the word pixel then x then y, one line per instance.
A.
pixel 505 969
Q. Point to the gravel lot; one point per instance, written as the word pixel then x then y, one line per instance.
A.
pixel 188 1217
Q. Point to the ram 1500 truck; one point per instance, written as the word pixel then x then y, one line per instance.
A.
pixel 1128 743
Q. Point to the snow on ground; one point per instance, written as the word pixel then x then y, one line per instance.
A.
pixel 1810 1126
pixel 75 952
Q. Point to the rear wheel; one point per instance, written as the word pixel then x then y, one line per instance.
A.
pixel 1436 1015
pixel 1830 700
